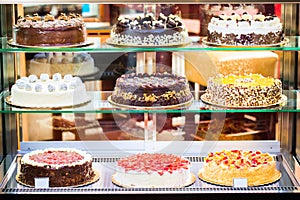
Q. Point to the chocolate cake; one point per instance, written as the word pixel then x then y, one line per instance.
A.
pixel 160 89
pixel 245 29
pixel 48 31
pixel 64 167
pixel 148 30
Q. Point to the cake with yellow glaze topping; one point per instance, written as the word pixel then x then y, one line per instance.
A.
pixel 244 90
pixel 222 167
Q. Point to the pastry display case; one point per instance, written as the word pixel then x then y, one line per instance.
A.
pixel 194 119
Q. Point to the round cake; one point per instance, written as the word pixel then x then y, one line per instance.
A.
pixel 151 90
pixel 153 171
pixel 43 92
pixel 222 167
pixel 148 30
pixel 48 31
pixel 245 29
pixel 63 166
pixel 244 90
pixel 78 64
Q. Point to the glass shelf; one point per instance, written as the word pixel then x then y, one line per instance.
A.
pixel 99 104
pixel 102 46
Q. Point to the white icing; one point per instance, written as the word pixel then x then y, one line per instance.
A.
pixel 37 94
pixel 26 158
pixel 244 27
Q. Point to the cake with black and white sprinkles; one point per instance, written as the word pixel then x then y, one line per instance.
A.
pixel 245 29
pixel 149 31
pixel 244 90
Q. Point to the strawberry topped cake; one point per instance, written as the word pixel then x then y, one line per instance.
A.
pixel 222 167
pixel 153 171
pixel 63 166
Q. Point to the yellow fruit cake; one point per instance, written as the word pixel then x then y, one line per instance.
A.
pixel 222 167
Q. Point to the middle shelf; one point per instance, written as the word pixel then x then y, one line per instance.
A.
pixel 100 104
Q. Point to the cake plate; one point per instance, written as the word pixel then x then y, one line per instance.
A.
pixel 186 42
pixel 206 100
pixel 170 107
pixel 116 182
pixel 280 44
pixel 9 102
pixel 83 44
pixel 262 183
pixel 92 180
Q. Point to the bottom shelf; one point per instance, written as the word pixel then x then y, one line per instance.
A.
pixel 106 167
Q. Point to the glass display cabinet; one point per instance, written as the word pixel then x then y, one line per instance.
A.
pixel 108 132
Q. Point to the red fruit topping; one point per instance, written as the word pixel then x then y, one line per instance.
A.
pixel 57 157
pixel 154 163
pixel 160 173
pixel 258 152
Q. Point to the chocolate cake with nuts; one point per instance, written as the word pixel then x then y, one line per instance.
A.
pixel 245 29
pixel 148 30
pixel 48 31
pixel 64 167
pixel 160 89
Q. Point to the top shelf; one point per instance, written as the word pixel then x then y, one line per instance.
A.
pixel 141 1
pixel 97 46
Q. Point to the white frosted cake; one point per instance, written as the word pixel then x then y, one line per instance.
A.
pixel 245 29
pixel 80 64
pixel 153 171
pixel 60 91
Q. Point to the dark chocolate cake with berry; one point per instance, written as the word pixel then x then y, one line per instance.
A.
pixel 148 30
pixel 48 31
pixel 63 166
pixel 245 29
pixel 159 89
